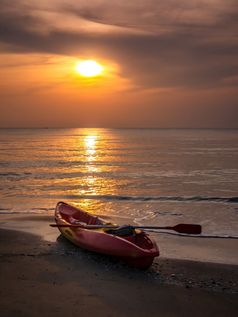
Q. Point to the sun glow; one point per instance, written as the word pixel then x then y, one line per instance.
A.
pixel 89 68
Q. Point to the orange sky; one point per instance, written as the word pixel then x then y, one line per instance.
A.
pixel 166 63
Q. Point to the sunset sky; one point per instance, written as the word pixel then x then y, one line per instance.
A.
pixel 163 63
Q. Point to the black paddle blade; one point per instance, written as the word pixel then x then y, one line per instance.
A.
pixel 188 228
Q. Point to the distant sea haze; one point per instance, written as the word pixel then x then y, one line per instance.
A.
pixel 145 176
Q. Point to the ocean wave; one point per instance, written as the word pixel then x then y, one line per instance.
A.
pixel 12 174
pixel 153 198
pixel 8 212
pixel 23 211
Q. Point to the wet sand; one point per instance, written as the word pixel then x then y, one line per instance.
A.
pixel 39 277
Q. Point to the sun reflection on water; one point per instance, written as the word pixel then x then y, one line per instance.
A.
pixel 93 148
pixel 90 146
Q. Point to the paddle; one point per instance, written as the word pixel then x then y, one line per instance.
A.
pixel 181 228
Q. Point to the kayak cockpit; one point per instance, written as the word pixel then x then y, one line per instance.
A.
pixel 78 216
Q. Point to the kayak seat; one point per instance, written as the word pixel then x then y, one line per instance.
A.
pixel 127 231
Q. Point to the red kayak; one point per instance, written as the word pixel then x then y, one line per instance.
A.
pixel 133 246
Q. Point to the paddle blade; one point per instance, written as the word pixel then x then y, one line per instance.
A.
pixel 188 228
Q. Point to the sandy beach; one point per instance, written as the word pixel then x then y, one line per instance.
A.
pixel 54 278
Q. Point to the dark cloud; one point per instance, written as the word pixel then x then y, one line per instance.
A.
pixel 162 45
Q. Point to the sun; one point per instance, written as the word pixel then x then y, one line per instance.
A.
pixel 89 68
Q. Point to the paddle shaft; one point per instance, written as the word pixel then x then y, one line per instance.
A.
pixel 181 228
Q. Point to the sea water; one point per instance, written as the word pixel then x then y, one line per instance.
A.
pixel 138 176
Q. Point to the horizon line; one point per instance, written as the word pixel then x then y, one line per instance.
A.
pixel 121 128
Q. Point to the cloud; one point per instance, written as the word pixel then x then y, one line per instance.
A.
pixel 182 43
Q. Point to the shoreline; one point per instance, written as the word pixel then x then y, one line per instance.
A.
pixel 55 278
pixel 172 246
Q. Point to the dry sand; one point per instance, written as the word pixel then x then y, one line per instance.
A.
pixel 40 278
